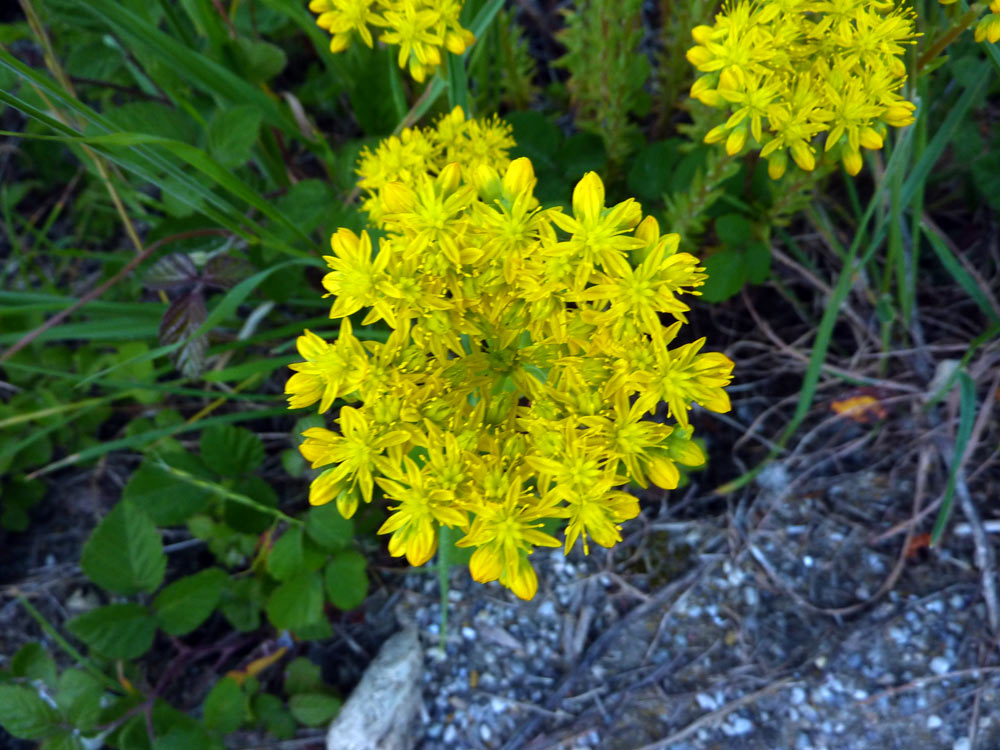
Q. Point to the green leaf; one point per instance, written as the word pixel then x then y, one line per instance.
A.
pixel 297 602
pixel 124 553
pixel 167 501
pixel 285 559
pixel 261 60
pixel 33 662
pixel 79 697
pixel 581 153
pixel 241 604
pixel 346 580
pixel 302 676
pixel 330 530
pixel 187 602
pixel 726 275
pixel 733 230
pixel 183 738
pixel 252 520
pixel 24 714
pixel 118 631
pixel 225 706
pixel 64 740
pixel 649 177
pixel 232 133
pixel 231 451
pixel 313 709
pixel 270 710
pixel 307 204
pixel 757 257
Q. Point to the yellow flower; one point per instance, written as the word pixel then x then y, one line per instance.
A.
pixel 503 534
pixel 598 233
pixel 354 452
pixel 412 523
pixel 341 17
pixel 329 370
pixel 515 384
pixel 421 28
pixel 356 276
pixel 789 70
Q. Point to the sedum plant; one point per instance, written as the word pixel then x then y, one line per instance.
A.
pixel 607 87
pixel 525 363
pixel 787 72
pixel 420 28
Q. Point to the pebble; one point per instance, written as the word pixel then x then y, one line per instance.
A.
pixel 798 696
pixel 934 721
pixel 468 633
pixel 962 744
pixel 706 702
pixel 737 727
pixel 940 665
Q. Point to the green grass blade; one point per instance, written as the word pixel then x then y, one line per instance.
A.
pixel 202 73
pixel 966 420
pixel 959 274
pixel 825 331
pixel 218 489
pixel 138 442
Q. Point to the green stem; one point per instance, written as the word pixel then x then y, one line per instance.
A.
pixel 970 17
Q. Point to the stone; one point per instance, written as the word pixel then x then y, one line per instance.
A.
pixel 380 712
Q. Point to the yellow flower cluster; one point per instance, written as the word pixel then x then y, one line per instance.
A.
pixel 419 151
pixel 789 70
pixel 988 27
pixel 420 28
pixel 525 360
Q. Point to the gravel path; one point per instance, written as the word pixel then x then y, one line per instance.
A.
pixel 722 634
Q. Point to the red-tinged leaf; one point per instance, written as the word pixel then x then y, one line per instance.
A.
pixel 172 272
pixel 185 316
pixel 225 271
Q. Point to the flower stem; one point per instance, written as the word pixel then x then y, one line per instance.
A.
pixel 970 17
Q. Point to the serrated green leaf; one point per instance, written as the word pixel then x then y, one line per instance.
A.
pixel 296 602
pixel 346 580
pixel 79 697
pixel 285 559
pixel 225 706
pixel 167 500
pixel 232 134
pixel 124 553
pixel 118 631
pixel 313 709
pixel 231 451
pixel 33 662
pixel 187 602
pixel 24 714
pixel 302 676
pixel 330 530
